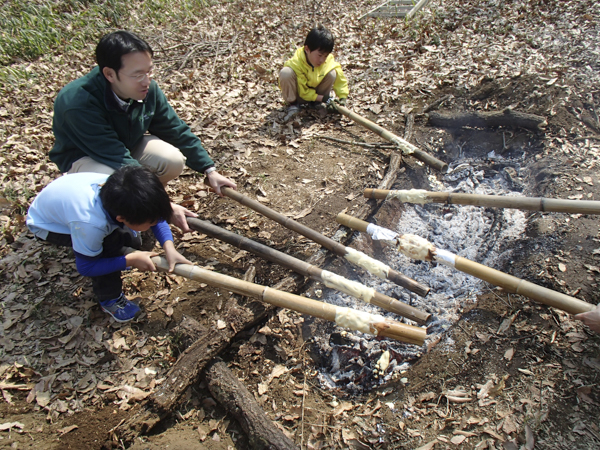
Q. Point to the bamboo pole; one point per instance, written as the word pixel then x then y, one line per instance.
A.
pixel 406 147
pixel 418 248
pixel 344 317
pixel 494 201
pixel 354 256
pixel 353 288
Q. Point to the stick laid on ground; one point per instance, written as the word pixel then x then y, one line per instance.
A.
pixel 330 279
pixel 344 317
pixel 496 201
pixel 406 147
pixel 418 248
pixel 354 256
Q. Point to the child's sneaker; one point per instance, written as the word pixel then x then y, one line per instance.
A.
pixel 121 309
pixel 291 112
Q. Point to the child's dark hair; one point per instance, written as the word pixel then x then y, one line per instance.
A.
pixel 320 38
pixel 136 194
pixel 114 45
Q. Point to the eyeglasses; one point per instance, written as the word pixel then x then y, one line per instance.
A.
pixel 141 77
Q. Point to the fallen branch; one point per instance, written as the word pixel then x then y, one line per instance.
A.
pixel 585 138
pixel 504 118
pixel 239 402
pixel 436 103
pixel 360 144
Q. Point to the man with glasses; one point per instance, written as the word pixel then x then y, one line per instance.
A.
pixel 117 115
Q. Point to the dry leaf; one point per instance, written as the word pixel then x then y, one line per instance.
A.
pixel 344 406
pixel 263 388
pixel 428 446
pixel 457 440
pixel 66 430
pixel 10 425
pixel 509 426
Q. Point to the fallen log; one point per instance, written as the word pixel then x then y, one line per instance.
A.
pixel 416 247
pixel 352 255
pixel 239 402
pixel 330 279
pixel 496 201
pixel 504 118
pixel 162 402
pixel 406 147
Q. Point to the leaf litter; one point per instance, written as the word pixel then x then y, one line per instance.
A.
pixel 64 356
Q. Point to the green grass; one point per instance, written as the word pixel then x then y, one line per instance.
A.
pixel 32 28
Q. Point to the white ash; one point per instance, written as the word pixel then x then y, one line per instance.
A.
pixel 476 233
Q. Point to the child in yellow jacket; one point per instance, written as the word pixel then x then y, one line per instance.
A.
pixel 311 74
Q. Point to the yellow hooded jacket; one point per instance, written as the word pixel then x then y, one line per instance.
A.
pixel 309 77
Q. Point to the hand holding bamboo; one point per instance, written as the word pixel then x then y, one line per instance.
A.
pixel 418 248
pixel 496 201
pixel 331 280
pixel 344 317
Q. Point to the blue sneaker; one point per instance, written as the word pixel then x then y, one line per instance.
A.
pixel 121 309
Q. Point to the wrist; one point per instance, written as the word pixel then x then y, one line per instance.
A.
pixel 210 170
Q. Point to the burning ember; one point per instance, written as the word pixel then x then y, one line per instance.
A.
pixel 480 234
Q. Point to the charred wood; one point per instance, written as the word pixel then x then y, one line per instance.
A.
pixel 239 402
pixel 505 118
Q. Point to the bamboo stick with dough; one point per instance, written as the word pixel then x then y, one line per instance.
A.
pixel 416 247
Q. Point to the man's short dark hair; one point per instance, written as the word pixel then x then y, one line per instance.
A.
pixel 136 194
pixel 320 38
pixel 113 46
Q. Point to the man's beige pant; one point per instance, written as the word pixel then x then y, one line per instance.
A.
pixel 166 160
pixel 288 82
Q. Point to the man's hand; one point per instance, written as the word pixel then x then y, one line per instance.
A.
pixel 173 256
pixel 342 101
pixel 590 318
pixel 216 181
pixel 141 260
pixel 179 215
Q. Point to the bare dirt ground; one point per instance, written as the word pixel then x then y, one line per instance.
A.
pixel 528 373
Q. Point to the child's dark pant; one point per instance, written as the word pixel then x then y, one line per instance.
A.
pixel 109 286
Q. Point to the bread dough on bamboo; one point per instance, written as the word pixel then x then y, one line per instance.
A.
pixel 410 196
pixel 357 320
pixel 353 288
pixel 375 267
pixel 415 247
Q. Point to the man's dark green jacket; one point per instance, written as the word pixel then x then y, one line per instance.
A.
pixel 89 122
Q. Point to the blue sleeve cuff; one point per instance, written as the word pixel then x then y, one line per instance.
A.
pixel 162 232
pixel 96 266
